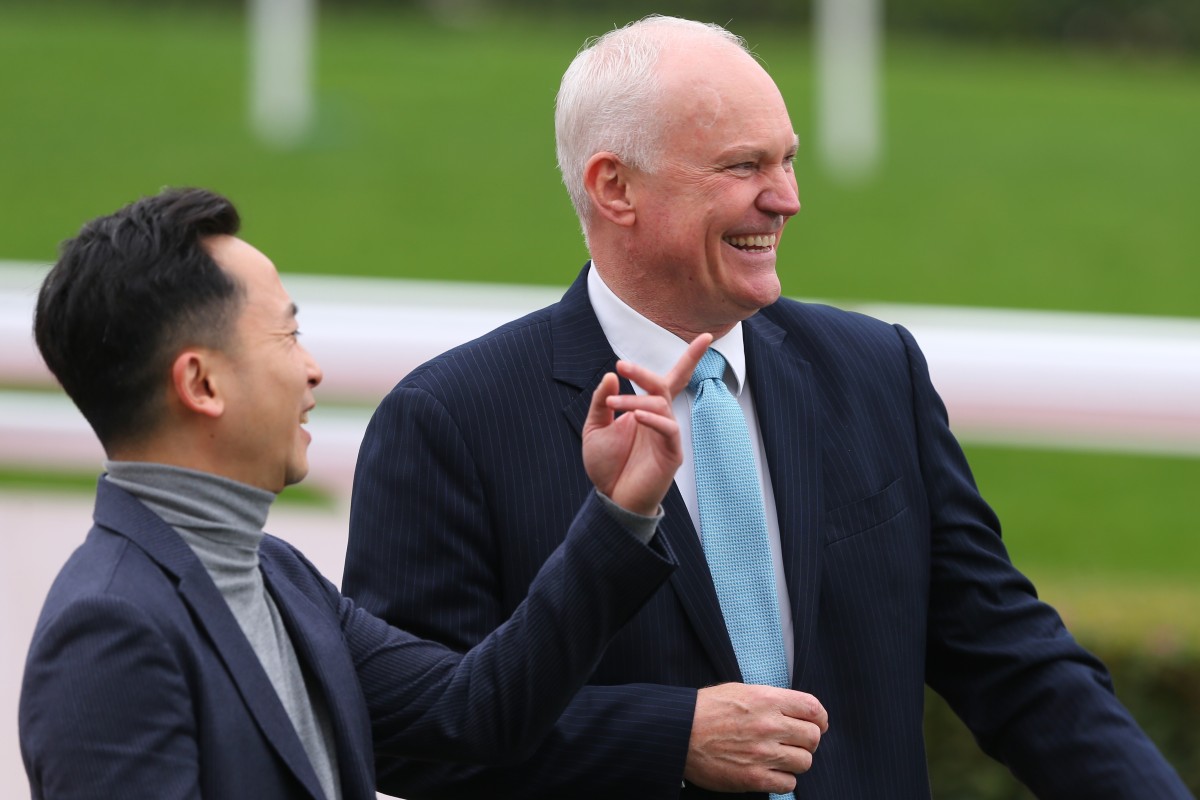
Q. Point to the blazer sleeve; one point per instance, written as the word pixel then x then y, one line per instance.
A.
pixel 105 710
pixel 423 555
pixel 1034 699
pixel 495 703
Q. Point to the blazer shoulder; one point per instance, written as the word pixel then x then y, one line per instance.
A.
pixel 109 575
pixel 821 327
pixel 790 313
pixel 285 560
pixel 521 341
pixel 107 563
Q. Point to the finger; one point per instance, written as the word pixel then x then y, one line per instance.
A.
pixel 783 781
pixel 599 414
pixel 801 705
pixel 664 425
pixel 795 759
pixel 681 373
pixel 802 734
pixel 649 381
pixel 632 402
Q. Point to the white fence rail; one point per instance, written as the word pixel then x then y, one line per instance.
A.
pixel 1028 378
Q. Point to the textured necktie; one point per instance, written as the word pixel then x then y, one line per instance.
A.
pixel 733 527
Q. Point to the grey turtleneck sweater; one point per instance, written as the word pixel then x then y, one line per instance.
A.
pixel 222 521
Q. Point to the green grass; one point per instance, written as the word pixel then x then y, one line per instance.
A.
pixel 1020 179
pixel 1013 178
pixel 1082 515
pixel 1029 178
pixel 1113 542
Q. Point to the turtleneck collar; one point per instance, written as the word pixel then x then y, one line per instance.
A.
pixel 222 519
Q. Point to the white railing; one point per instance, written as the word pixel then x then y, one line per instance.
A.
pixel 1021 377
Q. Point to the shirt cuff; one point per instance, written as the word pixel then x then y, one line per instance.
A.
pixel 641 527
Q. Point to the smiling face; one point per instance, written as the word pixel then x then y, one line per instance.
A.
pixel 267 378
pixel 710 214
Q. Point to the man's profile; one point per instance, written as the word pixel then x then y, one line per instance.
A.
pixel 183 652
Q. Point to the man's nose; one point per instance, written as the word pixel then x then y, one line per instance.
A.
pixel 781 196
pixel 315 374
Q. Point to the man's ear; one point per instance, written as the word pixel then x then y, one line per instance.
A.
pixel 195 383
pixel 606 180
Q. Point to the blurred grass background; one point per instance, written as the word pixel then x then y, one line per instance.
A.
pixel 1015 176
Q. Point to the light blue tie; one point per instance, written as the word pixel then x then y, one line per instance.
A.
pixel 733 527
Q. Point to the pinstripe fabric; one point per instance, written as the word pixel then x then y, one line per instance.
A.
pixel 140 683
pixel 897 574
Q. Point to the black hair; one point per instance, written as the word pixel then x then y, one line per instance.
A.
pixel 126 294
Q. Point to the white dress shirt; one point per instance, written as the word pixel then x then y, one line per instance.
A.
pixel 637 339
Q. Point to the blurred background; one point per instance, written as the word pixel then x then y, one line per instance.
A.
pixel 1028 155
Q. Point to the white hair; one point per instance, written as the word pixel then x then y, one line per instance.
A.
pixel 609 95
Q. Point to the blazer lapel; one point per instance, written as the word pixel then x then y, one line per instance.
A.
pixel 788 416
pixel 122 513
pixel 319 645
pixel 582 355
pixel 694 584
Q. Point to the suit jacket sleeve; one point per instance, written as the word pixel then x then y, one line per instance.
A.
pixel 1035 700
pixel 423 556
pixel 105 709
pixel 495 703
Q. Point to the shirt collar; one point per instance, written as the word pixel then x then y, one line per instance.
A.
pixel 637 339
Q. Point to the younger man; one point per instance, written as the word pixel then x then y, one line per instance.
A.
pixel 182 652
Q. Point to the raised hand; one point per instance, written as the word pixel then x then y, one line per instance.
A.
pixel 633 457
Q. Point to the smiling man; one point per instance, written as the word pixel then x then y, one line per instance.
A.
pixel 184 653
pixel 833 548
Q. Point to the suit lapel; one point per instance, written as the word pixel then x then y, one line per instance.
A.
pixel 582 355
pixel 694 584
pixel 320 647
pixel 122 513
pixel 788 417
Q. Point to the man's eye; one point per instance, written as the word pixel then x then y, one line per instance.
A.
pixel 745 166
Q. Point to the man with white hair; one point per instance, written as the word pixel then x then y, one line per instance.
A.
pixel 835 553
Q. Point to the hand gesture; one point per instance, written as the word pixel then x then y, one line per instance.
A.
pixel 633 457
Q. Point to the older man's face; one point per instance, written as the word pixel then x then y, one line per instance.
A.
pixel 711 215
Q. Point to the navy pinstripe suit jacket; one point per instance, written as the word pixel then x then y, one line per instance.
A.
pixel 140 683
pixel 895 565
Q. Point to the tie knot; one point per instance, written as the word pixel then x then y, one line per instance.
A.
pixel 711 366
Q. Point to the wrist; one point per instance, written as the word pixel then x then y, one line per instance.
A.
pixel 640 525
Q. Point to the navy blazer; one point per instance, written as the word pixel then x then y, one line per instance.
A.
pixel 895 568
pixel 139 682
